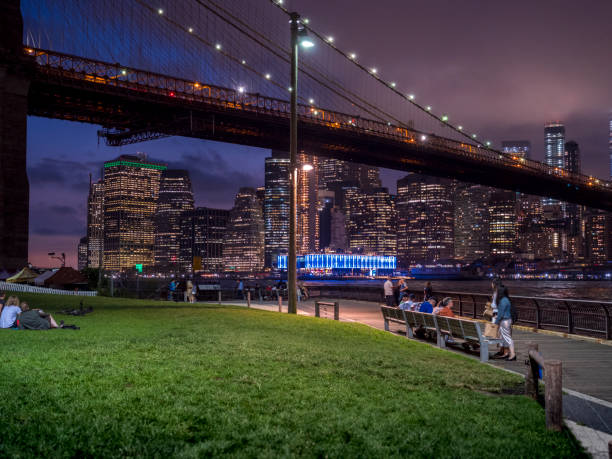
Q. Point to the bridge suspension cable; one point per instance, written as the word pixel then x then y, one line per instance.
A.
pixel 373 73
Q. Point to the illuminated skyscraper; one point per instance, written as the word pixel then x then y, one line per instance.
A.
pixel 518 148
pixel 372 218
pixel 95 224
pixel 276 207
pixel 425 216
pixel 307 240
pixel 503 223
pixel 571 163
pixel 598 234
pixel 203 232
pixel 326 201
pixel 471 222
pixel 243 250
pixel 333 173
pixel 131 188
pixel 610 142
pixel 175 197
pixel 554 142
pixel 82 254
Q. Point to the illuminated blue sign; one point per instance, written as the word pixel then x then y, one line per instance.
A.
pixel 340 261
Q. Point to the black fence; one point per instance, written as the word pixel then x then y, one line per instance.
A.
pixel 580 317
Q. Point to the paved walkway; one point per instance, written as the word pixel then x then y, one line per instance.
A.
pixel 587 368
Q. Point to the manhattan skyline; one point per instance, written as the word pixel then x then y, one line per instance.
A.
pixel 508 86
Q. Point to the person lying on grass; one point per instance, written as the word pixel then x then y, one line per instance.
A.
pixel 10 311
pixel 35 319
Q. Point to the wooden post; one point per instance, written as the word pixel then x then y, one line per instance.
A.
pixel 610 449
pixel 317 309
pixel 219 296
pixel 249 299
pixel 553 395
pixel 336 311
pixel 531 379
pixel 280 303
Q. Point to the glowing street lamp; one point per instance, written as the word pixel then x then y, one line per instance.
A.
pixel 299 37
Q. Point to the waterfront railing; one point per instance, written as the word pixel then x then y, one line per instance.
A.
pixel 568 315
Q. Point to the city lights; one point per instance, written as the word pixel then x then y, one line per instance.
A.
pixel 340 261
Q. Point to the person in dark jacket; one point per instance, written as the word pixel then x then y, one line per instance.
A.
pixel 504 320
pixel 35 319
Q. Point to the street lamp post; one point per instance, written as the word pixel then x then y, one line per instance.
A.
pixel 297 37
pixel 292 261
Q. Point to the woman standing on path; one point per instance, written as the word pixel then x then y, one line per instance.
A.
pixel 504 320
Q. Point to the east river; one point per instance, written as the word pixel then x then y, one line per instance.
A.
pixel 588 290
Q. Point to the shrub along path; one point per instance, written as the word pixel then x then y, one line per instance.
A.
pixel 155 378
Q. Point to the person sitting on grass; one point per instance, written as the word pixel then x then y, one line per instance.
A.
pixel 444 308
pixel 10 311
pixel 427 305
pixel 35 319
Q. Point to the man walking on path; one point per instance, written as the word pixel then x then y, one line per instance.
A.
pixel 388 290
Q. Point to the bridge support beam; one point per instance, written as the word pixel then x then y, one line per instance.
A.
pixel 15 74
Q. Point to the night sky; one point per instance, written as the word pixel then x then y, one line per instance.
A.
pixel 504 67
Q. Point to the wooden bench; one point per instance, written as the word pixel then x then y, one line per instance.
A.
pixel 463 331
pixel 391 314
pixel 460 331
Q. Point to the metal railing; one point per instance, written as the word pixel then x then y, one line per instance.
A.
pixel 145 82
pixel 11 287
pixel 580 317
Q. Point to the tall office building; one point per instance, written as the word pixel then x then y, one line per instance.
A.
pixel 518 148
pixel 372 219
pixel 326 201
pixel 82 254
pixel 610 142
pixel 95 224
pixel 131 188
pixel 276 206
pixel 243 250
pixel 554 143
pixel 307 234
pixel 202 236
pixel 425 215
pixel 333 173
pixel 571 157
pixel 573 212
pixel 175 198
pixel 598 235
pixel 471 222
pixel 502 223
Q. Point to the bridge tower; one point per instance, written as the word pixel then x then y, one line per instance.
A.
pixel 15 74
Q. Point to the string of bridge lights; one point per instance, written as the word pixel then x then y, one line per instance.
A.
pixel 219 48
pixel 266 76
pixel 329 40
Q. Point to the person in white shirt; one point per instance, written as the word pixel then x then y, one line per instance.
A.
pixel 10 312
pixel 388 291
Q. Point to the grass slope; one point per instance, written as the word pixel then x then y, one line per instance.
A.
pixel 157 379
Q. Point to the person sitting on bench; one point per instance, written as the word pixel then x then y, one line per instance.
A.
pixel 427 305
pixel 444 308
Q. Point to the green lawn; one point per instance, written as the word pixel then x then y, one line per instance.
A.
pixel 162 379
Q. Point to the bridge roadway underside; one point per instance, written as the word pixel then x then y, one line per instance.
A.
pixel 141 112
